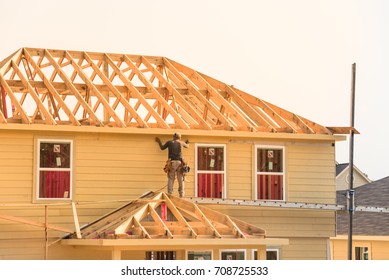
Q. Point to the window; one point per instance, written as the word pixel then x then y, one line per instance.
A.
pixel 54 176
pixel 361 253
pixel 271 254
pixel 269 173
pixel 199 255
pixel 233 255
pixel 160 255
pixel 210 169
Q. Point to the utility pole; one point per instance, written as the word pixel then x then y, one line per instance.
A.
pixel 350 193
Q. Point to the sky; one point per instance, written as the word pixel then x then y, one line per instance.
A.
pixel 295 54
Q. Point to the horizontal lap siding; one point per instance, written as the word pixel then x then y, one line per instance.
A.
pixel 305 249
pixel 109 167
pixel 311 173
pixel 378 249
pixel 121 167
pixel 284 222
pixel 239 171
pixel 106 168
pixel 16 165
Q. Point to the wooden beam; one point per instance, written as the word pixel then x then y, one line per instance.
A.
pixel 156 94
pixel 178 215
pixel 98 94
pixel 73 89
pixel 35 95
pixel 218 99
pixel 50 87
pixel 204 101
pixel 76 222
pixel 119 97
pixel 36 224
pixel 239 233
pixel 177 95
pixel 250 111
pixel 133 89
pixel 159 221
pixel 268 110
pixel 139 225
pixel 204 219
pixel 15 101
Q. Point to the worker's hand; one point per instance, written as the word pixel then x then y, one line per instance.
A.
pixel 157 140
pixel 187 141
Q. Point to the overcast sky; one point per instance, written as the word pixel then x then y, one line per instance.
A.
pixel 296 54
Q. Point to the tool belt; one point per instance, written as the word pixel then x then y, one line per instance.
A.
pixel 184 166
pixel 168 166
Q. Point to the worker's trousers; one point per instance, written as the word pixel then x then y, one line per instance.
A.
pixel 175 169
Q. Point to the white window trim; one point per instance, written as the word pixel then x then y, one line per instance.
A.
pixel 208 251
pixel 38 168
pixel 212 172
pixel 269 173
pixel 362 245
pixel 233 250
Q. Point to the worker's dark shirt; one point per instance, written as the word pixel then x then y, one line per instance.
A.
pixel 174 148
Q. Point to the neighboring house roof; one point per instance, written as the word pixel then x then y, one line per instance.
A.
pixel 60 87
pixel 340 167
pixel 375 194
pixel 343 167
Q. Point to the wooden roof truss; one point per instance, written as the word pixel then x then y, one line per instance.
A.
pixel 60 87
pixel 162 216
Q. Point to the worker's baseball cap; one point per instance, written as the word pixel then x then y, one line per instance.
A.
pixel 177 135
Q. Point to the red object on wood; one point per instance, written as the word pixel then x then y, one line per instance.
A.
pixel 163 212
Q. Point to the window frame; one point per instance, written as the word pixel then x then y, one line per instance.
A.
pixel 277 250
pixel 256 172
pixel 244 251
pixel 198 251
pixel 362 253
pixel 39 141
pixel 208 145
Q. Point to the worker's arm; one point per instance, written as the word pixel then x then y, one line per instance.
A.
pixel 162 147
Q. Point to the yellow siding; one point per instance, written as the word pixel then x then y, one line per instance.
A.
pixel 240 171
pixel 305 249
pixel 111 167
pixel 284 222
pixel 378 249
pixel 311 173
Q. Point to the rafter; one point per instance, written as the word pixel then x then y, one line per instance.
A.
pixel 181 100
pixel 73 89
pixel 123 90
pixel 155 93
pixel 134 90
pixel 52 89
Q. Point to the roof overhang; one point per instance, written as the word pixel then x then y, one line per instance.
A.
pixel 362 237
pixel 176 244
pixel 187 133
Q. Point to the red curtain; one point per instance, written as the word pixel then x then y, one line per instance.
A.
pixel 54 184
pixel 210 185
pixel 270 187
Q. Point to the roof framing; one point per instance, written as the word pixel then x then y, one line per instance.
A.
pixel 162 216
pixel 78 88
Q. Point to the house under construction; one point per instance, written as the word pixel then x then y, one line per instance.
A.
pixel 82 176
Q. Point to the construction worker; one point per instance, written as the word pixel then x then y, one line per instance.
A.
pixel 175 162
